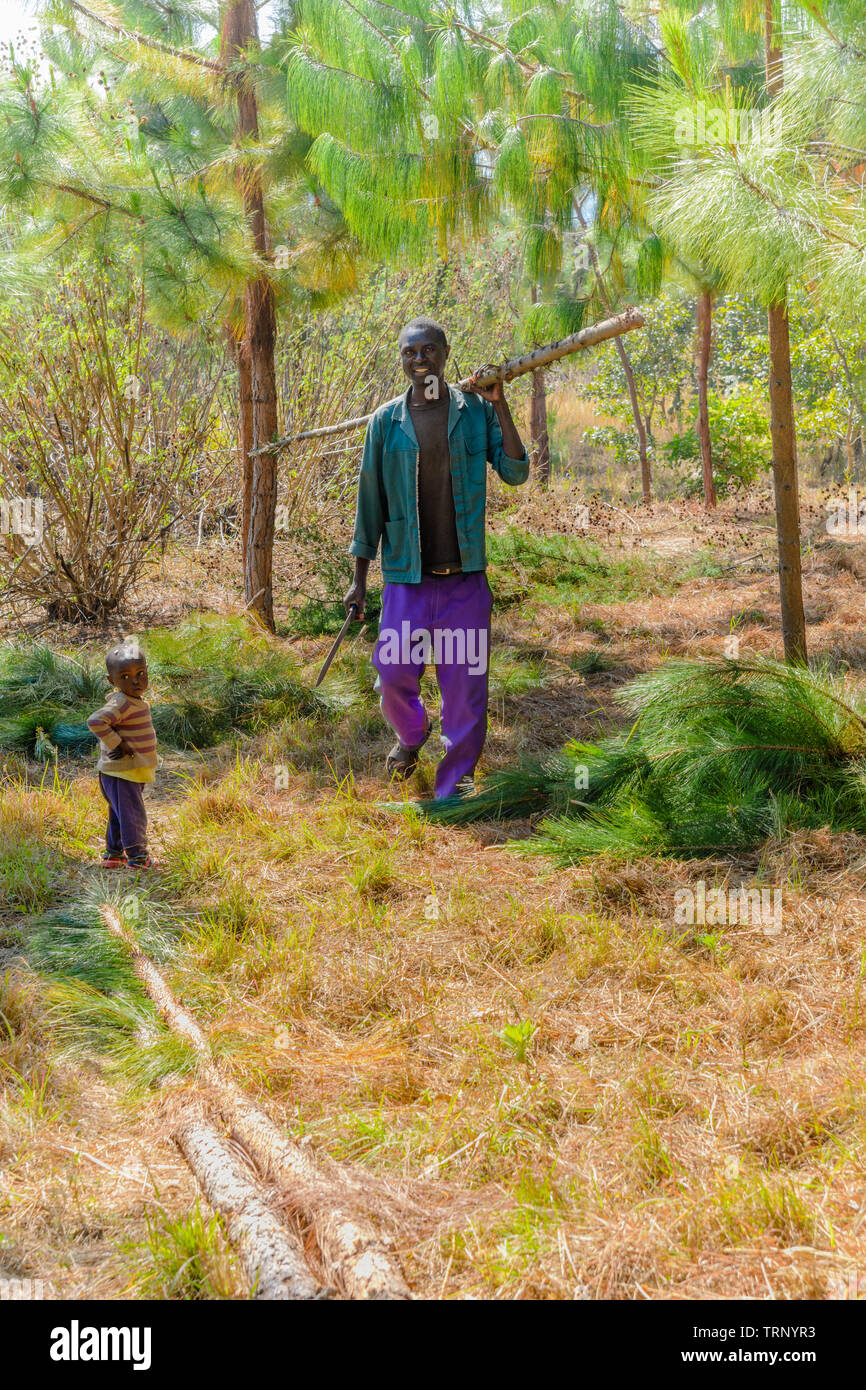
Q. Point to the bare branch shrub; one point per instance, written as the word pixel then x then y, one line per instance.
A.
pixel 108 437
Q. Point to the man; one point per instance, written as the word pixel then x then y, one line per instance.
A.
pixel 422 492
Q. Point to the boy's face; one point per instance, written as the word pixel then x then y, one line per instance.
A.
pixel 421 355
pixel 130 677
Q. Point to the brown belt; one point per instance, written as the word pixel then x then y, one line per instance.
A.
pixel 445 569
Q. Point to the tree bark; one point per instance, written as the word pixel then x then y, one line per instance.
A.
pixel 782 426
pixel 258 564
pixel 271 1256
pixel 785 485
pixel 245 433
pixel 505 371
pixel 538 436
pixel 705 348
pixel 258 419
pixel 358 1258
pixel 625 362
pixel 538 427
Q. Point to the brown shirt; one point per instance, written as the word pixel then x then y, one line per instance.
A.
pixel 436 516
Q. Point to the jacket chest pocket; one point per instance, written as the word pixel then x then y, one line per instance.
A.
pixel 476 440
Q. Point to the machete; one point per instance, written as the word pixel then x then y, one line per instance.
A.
pixel 336 647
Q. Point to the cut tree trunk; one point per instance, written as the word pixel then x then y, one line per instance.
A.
pixel 238 33
pixel 272 1258
pixel 704 352
pixel 356 1256
pixel 506 371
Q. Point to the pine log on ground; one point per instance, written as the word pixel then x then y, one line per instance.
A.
pixel 355 1256
pixel 271 1255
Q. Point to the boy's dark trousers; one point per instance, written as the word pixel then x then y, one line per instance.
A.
pixel 127 818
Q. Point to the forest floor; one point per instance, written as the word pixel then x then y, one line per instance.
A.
pixel 550 1088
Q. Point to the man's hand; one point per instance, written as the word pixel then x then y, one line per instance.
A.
pixel 122 750
pixel 492 393
pixel 356 596
pixel 495 394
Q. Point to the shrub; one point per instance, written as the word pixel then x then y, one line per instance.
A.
pixel 740 436
pixel 102 423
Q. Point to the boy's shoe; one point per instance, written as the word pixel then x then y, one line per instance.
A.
pixel 466 786
pixel 113 861
pixel 146 863
pixel 401 762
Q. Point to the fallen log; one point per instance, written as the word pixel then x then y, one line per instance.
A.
pixel 506 371
pixel 272 1257
pixel 354 1255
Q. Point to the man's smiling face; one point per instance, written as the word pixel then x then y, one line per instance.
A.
pixel 422 355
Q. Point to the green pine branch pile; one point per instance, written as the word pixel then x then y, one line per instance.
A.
pixel 719 758
pixel 210 678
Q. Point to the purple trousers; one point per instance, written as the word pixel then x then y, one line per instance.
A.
pixel 442 622
pixel 127 818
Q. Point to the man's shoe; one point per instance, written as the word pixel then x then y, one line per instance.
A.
pixel 401 762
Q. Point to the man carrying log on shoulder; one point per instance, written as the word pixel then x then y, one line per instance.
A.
pixel 422 491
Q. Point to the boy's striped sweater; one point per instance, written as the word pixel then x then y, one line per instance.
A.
pixel 128 718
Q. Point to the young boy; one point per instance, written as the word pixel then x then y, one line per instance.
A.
pixel 127 757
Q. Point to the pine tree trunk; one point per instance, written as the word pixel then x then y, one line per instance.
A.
pixel 782 427
pixel 538 427
pixel 258 563
pixel 257 372
pixel 625 361
pixel 785 484
pixel 538 436
pixel 645 481
pixel 245 434
pixel 705 348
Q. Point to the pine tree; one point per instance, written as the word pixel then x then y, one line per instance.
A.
pixel 696 94
pixel 428 126
pixel 165 133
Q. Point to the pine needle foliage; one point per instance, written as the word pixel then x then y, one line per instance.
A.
pixel 720 757
pixel 210 678
pixel 762 192
pixel 427 122
pixel 121 142
pixel 95 1000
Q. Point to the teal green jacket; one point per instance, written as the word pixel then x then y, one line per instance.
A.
pixel 388 483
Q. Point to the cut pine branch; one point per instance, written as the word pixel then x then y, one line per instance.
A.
pixel 506 371
pixel 355 1256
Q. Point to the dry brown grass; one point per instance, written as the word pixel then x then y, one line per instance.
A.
pixel 689 1118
